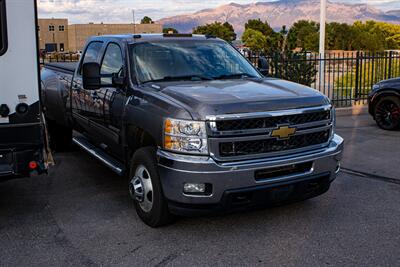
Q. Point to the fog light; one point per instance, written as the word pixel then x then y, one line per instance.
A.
pixel 194 188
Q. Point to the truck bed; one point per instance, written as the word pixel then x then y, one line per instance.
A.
pixel 64 66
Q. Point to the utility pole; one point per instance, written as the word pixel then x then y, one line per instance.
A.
pixel 134 21
pixel 322 44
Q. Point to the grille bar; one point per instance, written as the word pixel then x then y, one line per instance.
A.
pixel 271 122
pixel 254 147
pixel 294 169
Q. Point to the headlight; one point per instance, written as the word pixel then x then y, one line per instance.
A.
pixel 185 136
pixel 376 87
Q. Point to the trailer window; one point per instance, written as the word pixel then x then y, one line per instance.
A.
pixel 3 27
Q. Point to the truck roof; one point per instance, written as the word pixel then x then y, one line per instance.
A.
pixel 134 38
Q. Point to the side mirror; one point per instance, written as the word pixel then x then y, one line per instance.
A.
pixel 118 81
pixel 263 66
pixel 91 78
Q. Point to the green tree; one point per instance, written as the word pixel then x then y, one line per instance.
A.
pixel 339 36
pixel 146 20
pixel 305 35
pixel 293 67
pixel 258 25
pixel 221 30
pixel 255 40
pixel 368 36
pixel 169 30
pixel 391 33
pixel 376 36
pixel 274 40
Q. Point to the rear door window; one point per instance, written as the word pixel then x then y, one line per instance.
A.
pixel 3 27
pixel 112 63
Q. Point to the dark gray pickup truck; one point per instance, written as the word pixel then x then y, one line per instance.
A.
pixel 192 124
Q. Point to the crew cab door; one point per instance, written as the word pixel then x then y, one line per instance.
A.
pixel 112 65
pixel 87 105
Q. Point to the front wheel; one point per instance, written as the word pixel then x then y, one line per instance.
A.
pixel 387 113
pixel 145 189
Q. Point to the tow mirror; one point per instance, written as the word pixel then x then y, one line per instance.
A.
pixel 117 80
pixel 91 78
pixel 263 66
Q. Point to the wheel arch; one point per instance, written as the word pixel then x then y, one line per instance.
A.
pixel 137 138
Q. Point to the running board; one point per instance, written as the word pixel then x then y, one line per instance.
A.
pixel 99 154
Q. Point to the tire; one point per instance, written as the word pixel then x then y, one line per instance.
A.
pixel 60 137
pixel 387 113
pixel 146 190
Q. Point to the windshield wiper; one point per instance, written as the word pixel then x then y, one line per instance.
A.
pixel 181 78
pixel 234 76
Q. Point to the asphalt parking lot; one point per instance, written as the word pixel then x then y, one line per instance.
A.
pixel 80 214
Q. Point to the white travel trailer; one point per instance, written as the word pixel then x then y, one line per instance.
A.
pixel 22 134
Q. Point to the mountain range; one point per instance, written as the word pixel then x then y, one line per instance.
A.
pixel 282 12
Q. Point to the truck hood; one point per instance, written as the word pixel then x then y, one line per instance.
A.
pixel 221 97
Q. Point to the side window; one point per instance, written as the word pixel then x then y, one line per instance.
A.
pixel 91 53
pixel 3 27
pixel 112 63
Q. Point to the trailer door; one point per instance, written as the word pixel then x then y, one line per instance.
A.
pixel 19 73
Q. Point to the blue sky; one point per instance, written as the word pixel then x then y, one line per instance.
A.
pixel 83 11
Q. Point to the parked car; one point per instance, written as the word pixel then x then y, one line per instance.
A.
pixel 384 104
pixel 23 150
pixel 192 124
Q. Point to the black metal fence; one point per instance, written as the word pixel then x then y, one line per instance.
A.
pixel 58 57
pixel 347 77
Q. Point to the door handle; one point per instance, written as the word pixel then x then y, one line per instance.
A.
pixel 94 95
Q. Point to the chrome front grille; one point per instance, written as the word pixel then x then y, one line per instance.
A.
pixel 240 148
pixel 246 136
pixel 270 122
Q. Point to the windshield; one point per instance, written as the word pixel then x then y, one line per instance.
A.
pixel 170 60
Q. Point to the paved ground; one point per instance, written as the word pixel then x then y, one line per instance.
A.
pixel 80 215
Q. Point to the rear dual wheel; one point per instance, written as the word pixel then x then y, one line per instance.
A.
pixel 387 113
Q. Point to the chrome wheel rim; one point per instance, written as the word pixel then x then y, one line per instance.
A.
pixel 141 188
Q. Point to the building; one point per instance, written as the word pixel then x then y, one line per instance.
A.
pixel 53 35
pixel 56 35
pixel 79 33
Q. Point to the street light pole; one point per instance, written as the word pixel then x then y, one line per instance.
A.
pixel 322 44
pixel 134 21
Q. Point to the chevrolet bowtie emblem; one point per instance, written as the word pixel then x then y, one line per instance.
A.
pixel 283 132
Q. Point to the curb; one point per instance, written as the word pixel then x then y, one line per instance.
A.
pixel 352 111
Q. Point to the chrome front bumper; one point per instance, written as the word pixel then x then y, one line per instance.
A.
pixel 176 170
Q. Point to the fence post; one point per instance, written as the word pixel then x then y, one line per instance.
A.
pixel 390 65
pixel 357 75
